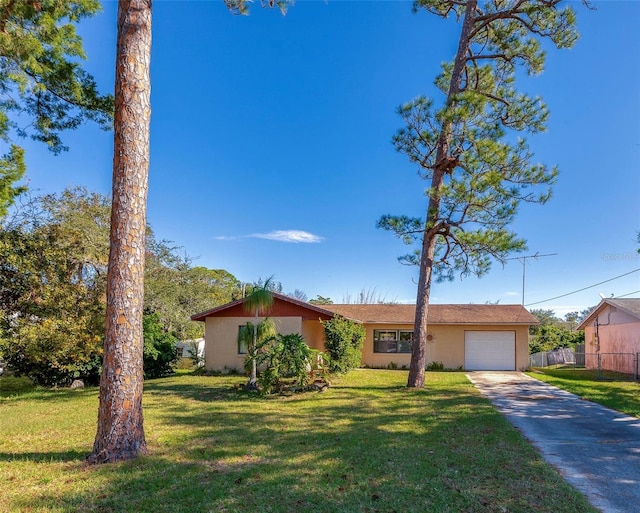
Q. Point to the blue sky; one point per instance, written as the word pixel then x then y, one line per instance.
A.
pixel 271 152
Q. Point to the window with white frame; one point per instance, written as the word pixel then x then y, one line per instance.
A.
pixel 392 341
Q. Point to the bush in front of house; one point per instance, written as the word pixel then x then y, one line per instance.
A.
pixel 282 357
pixel 343 340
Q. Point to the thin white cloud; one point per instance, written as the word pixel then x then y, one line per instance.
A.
pixel 295 236
pixel 512 294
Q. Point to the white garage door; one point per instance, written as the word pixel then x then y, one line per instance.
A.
pixel 489 350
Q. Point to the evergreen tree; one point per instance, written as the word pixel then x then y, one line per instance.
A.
pixel 477 175
pixel 120 433
pixel 43 88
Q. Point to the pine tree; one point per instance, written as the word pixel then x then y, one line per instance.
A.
pixel 477 175
pixel 43 88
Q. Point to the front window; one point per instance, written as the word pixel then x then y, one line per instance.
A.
pixel 392 341
pixel 243 339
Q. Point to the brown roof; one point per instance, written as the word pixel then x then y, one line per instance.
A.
pixel 382 313
pixel 438 314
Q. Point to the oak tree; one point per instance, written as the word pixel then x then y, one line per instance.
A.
pixel 477 173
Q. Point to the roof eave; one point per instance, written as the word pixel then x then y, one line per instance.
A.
pixel 208 313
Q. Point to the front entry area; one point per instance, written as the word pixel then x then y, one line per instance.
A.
pixel 490 350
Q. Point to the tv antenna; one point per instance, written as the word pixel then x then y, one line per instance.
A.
pixel 523 261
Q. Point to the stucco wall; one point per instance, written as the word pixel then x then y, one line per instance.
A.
pixel 221 335
pixel 613 338
pixel 313 334
pixel 447 345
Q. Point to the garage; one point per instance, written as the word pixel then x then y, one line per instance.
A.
pixel 489 350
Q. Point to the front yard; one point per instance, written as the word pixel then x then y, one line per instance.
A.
pixel 623 396
pixel 367 444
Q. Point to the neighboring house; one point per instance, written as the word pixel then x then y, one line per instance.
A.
pixel 612 330
pixel 473 337
pixel 185 348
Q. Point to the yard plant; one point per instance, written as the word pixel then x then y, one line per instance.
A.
pixel 366 444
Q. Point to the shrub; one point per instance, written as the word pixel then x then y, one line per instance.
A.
pixel 550 337
pixel 343 343
pixel 160 353
pixel 435 366
pixel 285 356
pixel 53 352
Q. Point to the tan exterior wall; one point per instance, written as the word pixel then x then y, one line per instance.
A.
pixel 447 345
pixel 221 336
pixel 313 334
pixel 371 359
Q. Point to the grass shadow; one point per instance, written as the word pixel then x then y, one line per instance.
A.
pixel 45 457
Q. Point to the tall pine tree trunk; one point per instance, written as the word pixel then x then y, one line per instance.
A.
pixel 429 239
pixel 120 433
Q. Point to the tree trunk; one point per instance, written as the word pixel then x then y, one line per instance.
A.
pixel 253 377
pixel 419 344
pixel 429 238
pixel 120 434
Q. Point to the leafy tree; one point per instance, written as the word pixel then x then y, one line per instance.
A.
pixel 545 318
pixel 586 311
pixel 550 337
pixel 52 321
pixel 553 332
pixel 174 289
pixel 343 340
pixel 477 176
pixel 260 299
pixel 572 319
pixel 12 170
pixel 52 287
pixel 160 353
pixel 321 300
pixel 55 247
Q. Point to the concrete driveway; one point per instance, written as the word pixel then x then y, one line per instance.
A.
pixel 594 448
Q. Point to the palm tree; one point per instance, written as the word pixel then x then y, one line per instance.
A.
pixel 261 298
pixel 264 332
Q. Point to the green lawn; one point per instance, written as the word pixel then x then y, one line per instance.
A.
pixel 367 444
pixel 623 396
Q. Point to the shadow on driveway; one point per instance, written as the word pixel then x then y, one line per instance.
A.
pixel 594 448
